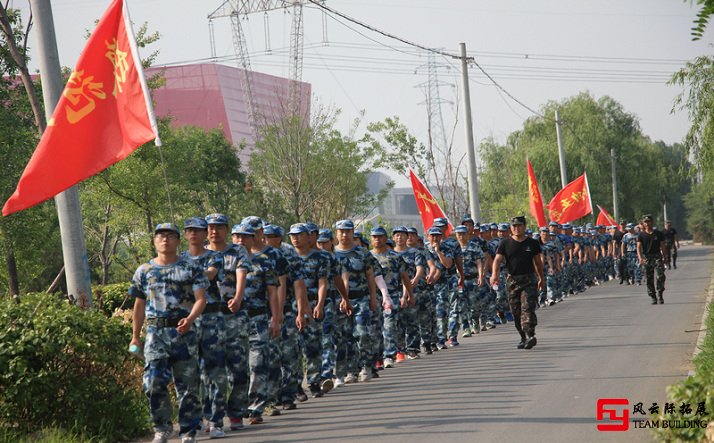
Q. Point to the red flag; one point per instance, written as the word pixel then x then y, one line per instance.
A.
pixel 428 207
pixel 536 201
pixel 572 202
pixel 605 219
pixel 103 115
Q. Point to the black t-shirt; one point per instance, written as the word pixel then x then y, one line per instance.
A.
pixel 618 237
pixel 669 234
pixel 519 255
pixel 650 242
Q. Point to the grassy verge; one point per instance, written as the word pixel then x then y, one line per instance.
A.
pixel 697 391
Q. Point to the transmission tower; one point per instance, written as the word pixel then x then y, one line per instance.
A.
pixel 237 8
pixel 434 101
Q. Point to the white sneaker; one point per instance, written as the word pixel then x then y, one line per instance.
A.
pixel 161 437
pixel 188 439
pixel 365 375
pixel 350 378
pixel 216 432
pixel 339 381
pixel 388 362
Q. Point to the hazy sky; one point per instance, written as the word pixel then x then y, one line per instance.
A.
pixel 538 50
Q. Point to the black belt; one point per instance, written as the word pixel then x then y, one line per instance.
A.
pixel 161 322
pixel 356 294
pixel 215 307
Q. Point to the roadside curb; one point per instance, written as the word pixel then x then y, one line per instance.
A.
pixel 703 332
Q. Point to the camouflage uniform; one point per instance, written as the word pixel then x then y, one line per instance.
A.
pixel 408 338
pixel 633 268
pixel 235 257
pixel 523 299
pixel 443 294
pixel 211 331
pixel 472 307
pixel 329 320
pixel 168 291
pixel 355 350
pixel 392 266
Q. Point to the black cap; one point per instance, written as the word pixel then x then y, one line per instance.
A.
pixel 647 217
pixel 519 219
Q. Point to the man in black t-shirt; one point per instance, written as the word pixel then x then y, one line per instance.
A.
pixel 524 263
pixel 650 248
pixel 671 244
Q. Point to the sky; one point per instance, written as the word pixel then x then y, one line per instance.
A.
pixel 536 50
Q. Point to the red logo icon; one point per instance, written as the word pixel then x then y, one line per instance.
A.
pixel 606 412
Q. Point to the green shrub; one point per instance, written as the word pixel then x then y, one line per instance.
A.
pixel 109 298
pixel 65 368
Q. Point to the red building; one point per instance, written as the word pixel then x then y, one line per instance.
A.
pixel 211 96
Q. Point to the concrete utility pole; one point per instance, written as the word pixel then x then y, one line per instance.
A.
pixel 561 150
pixel 68 210
pixel 615 208
pixel 474 203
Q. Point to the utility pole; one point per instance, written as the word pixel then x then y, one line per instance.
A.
pixel 68 209
pixel 474 203
pixel 615 208
pixel 561 150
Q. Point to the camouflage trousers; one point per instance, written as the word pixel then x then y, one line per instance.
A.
pixel 285 373
pixel 408 334
pixel 258 362
pixel 551 282
pixel 354 348
pixel 457 304
pixel 329 332
pixel 523 299
pixel 237 368
pixel 502 294
pixel 655 284
pixel 390 328
pixel 442 297
pixel 475 304
pixel 633 268
pixel 168 353
pixel 426 315
pixel 211 329
pixel 312 347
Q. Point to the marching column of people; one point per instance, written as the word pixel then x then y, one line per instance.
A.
pixel 241 326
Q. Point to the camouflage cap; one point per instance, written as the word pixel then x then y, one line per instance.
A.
pixel 412 230
pixel 312 227
pixel 378 231
pixel 243 229
pixel 441 222
pixel 273 230
pixel 217 219
pixel 195 223
pixel 344 224
pixel 255 222
pixel 298 228
pixel 461 229
pixel 167 227
pixel 400 229
pixel 434 230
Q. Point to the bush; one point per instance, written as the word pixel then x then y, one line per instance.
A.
pixel 65 368
pixel 693 390
pixel 109 298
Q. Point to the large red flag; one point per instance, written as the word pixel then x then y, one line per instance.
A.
pixel 103 115
pixel 536 201
pixel 428 207
pixel 572 202
pixel 605 219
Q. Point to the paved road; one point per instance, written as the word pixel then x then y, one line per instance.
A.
pixel 607 342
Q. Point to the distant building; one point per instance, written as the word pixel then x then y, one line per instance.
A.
pixel 211 96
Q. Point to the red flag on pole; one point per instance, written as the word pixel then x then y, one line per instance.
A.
pixel 572 202
pixel 428 207
pixel 604 218
pixel 103 115
pixel 536 201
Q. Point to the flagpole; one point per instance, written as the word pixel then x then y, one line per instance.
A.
pixel 587 186
pixel 68 209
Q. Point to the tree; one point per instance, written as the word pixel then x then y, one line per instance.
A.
pixel 700 24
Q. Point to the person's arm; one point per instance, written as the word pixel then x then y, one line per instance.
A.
pixel 282 294
pixel 496 269
pixel 407 297
pixel 639 251
pixel 319 310
pixel 343 289
pixel 184 325
pixel 211 273
pixel 138 321
pixel 372 290
pixel 237 300
pixel 460 269
pixel 538 262
pixel 418 276
pixel 276 311
pixel 303 306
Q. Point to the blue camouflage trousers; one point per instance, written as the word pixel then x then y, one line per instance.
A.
pixel 211 329
pixel 457 302
pixel 285 372
pixel 329 338
pixel 258 362
pixel 312 348
pixel 169 354
pixel 354 348
pixel 426 315
pixel 441 309
pixel 237 368
pixel 408 339
pixel 390 328
pixel 633 268
pixel 473 305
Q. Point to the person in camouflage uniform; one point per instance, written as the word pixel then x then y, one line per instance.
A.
pixel 394 272
pixel 524 263
pixel 236 323
pixel 425 300
pixel 629 250
pixel 257 291
pixel 169 295
pixel 354 354
pixel 416 267
pixel 473 260
pixel 210 326
pixel 650 252
pixel 445 256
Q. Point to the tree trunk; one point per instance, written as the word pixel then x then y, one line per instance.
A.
pixel 12 279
